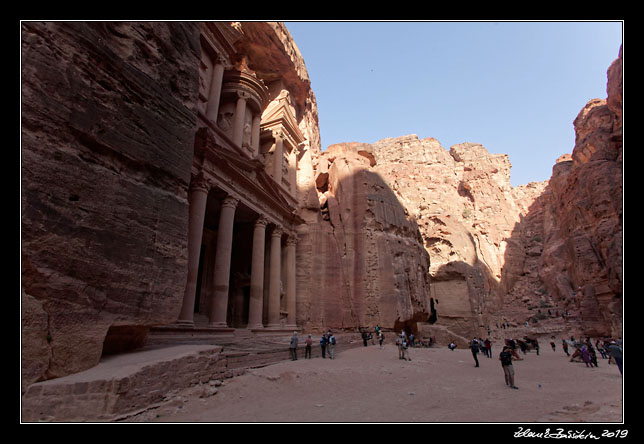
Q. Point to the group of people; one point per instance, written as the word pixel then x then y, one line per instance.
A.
pixel 608 349
pixel 368 336
pixel 327 344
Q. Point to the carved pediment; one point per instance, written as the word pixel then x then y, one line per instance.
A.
pixel 278 117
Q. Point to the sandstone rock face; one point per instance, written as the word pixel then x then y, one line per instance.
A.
pixel 108 124
pixel 466 210
pixel 361 260
pixel 582 260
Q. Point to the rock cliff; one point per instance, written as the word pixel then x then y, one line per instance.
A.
pixel 581 265
pixel 108 122
pixel 361 260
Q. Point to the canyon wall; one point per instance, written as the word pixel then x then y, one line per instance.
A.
pixel 582 262
pixel 109 117
pixel 108 121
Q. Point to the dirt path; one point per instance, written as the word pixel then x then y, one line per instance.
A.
pixel 437 385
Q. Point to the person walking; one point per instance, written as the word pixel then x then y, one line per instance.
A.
pixel 405 349
pixel 381 337
pixel 564 345
pixel 615 352
pixel 488 347
pixel 399 341
pixel 307 350
pixel 585 355
pixel 508 369
pixel 474 346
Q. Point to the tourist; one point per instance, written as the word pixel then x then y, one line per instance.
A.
pixel 405 349
pixel 399 341
pixel 508 369
pixel 564 344
pixel 488 347
pixel 615 352
pixel 331 345
pixel 381 338
pixel 307 350
pixel 451 346
pixel 585 355
pixel 600 349
pixel 364 338
pixel 474 346
pixel 293 346
pixel 552 344
pixel 323 341
pixel 412 338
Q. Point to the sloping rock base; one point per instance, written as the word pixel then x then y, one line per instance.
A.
pixel 127 384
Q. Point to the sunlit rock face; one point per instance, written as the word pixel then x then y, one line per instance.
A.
pixel 582 260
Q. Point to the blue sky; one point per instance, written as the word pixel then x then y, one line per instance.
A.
pixel 514 87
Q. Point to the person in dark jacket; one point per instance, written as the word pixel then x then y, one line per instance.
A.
pixel 474 346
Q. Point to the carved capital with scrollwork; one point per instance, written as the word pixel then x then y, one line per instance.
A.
pixel 277 231
pixel 261 221
pixel 230 202
pixel 200 183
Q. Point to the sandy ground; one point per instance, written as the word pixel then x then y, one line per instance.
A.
pixel 369 384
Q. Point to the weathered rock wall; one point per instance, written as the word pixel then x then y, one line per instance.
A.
pixel 582 260
pixel 467 213
pixel 108 123
pixel 362 260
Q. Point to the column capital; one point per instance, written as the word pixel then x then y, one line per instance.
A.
pixel 291 240
pixel 278 134
pixel 221 60
pixel 277 231
pixel 230 201
pixel 261 221
pixel 200 183
pixel 243 95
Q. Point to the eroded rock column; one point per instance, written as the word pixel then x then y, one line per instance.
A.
pixel 256 304
pixel 275 279
pixel 197 200
pixel 219 304
pixel 290 281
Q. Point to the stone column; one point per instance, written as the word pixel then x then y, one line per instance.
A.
pixel 240 116
pixel 255 134
pixel 275 278
pixel 197 212
pixel 291 292
pixel 215 90
pixel 279 158
pixel 219 303
pixel 257 275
